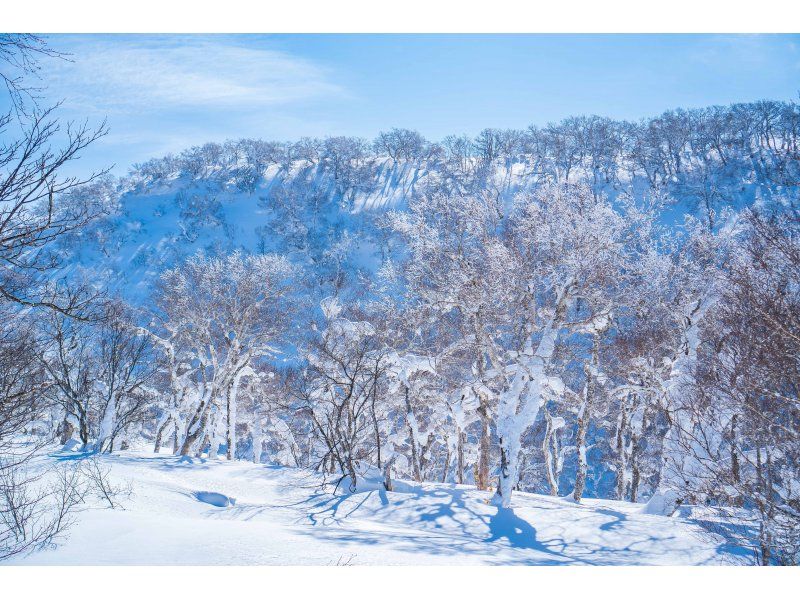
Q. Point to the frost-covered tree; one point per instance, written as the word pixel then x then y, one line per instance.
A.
pixel 459 269
pixel 225 313
pixel 739 442
pixel 571 249
pixel 400 144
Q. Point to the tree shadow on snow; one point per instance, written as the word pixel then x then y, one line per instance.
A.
pixel 452 525
pixel 618 519
pixel 505 524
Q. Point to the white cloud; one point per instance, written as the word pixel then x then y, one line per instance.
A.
pixel 131 74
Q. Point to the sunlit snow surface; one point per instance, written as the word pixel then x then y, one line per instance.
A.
pixel 201 512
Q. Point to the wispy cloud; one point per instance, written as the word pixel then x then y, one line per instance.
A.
pixel 754 51
pixel 135 74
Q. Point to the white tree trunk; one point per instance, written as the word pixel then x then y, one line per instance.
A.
pixel 521 400
pixel 258 439
pixel 667 497
pixel 107 424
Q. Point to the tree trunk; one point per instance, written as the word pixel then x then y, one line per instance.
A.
pixel 765 553
pixel 212 444
pixel 622 465
pixel 387 475
pixel 195 429
pixel 190 440
pixel 423 456
pixel 351 472
pixel 635 473
pixel 67 430
pixel 186 447
pixel 580 446
pixel 230 430
pixel 412 439
pixel 522 398
pixel 547 448
pixel 482 480
pixel 83 429
pixel 159 435
pixel 175 439
pixel 584 417
pixel 375 429
pixel 460 457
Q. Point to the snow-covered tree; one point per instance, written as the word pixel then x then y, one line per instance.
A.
pixel 223 313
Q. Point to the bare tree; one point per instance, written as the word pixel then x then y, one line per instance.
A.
pixel 39 206
pixel 338 392
pixel 34 511
pixel 37 209
pixel 401 144
pixel 126 366
pixel 21 53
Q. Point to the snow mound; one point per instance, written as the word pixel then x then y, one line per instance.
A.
pixel 72 445
pixel 664 503
pixel 371 479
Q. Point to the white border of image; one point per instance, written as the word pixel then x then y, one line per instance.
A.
pixel 420 16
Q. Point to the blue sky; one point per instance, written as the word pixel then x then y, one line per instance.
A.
pixel 164 93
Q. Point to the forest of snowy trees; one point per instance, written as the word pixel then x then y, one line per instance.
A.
pixel 593 308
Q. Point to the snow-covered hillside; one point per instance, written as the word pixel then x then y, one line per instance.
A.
pixel 204 512
pixel 152 225
pixel 319 200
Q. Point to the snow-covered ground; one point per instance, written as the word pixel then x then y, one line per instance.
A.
pixel 203 512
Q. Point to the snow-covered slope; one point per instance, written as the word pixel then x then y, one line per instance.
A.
pixel 152 225
pixel 178 515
